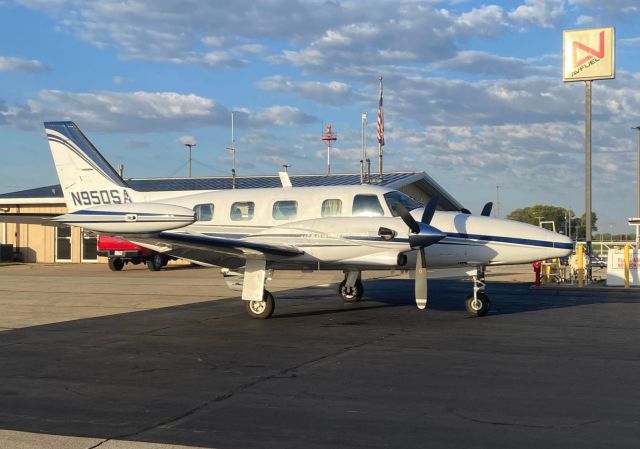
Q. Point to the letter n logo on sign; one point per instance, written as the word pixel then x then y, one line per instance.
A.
pixel 588 54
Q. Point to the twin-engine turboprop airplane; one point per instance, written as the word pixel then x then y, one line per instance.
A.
pixel 252 232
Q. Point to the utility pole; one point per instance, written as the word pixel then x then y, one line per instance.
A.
pixel 190 146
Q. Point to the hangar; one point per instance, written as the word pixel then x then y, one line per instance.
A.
pixel 30 242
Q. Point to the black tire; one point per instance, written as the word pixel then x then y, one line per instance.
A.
pixel 261 309
pixel 477 308
pixel 154 263
pixel 354 294
pixel 116 263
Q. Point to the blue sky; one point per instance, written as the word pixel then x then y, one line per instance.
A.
pixel 473 91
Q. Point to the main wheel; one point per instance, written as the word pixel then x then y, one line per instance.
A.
pixel 351 294
pixel 479 306
pixel 261 309
pixel 154 263
pixel 116 263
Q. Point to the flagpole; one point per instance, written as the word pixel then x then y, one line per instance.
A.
pixel 380 131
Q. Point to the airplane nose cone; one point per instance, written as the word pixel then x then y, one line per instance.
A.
pixel 564 244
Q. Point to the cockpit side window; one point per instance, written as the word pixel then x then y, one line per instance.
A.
pixel 204 212
pixel 393 198
pixel 366 206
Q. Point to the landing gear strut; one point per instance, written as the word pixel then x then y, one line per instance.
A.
pixel 478 303
pixel 351 289
pixel 261 309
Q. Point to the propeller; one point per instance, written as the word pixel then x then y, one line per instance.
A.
pixel 421 235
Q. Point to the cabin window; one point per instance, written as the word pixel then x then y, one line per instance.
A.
pixel 393 198
pixel 332 208
pixel 285 210
pixel 367 206
pixel 204 212
pixel 242 210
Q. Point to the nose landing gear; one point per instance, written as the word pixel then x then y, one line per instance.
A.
pixel 478 303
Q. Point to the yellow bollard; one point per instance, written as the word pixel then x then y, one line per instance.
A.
pixel 580 266
pixel 547 274
pixel 626 266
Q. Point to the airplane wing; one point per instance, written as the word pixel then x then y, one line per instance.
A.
pixel 27 218
pixel 213 250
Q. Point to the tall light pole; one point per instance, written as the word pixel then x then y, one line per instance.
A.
pixel 286 167
pixel 638 174
pixel 498 201
pixel 190 146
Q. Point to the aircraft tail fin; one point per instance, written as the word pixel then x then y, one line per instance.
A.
pixel 86 178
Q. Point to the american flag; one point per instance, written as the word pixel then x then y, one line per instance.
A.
pixel 380 119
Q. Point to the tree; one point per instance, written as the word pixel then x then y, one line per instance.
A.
pixel 563 218
pixel 581 225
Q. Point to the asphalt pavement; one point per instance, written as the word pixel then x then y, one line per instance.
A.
pixel 91 358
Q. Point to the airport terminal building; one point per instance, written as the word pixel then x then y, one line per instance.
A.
pixel 30 242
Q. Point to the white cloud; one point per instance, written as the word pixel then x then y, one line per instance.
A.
pixel 187 140
pixel 13 64
pixel 543 13
pixel 280 116
pixel 332 93
pixel 482 63
pixel 585 20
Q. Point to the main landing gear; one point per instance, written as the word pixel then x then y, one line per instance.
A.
pixel 351 289
pixel 261 309
pixel 478 303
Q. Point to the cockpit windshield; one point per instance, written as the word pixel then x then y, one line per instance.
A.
pixel 392 198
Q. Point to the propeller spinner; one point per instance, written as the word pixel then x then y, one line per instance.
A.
pixel 421 235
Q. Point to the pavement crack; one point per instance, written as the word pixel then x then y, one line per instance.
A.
pixel 176 419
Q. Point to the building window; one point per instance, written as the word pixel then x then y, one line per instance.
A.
pixel 284 210
pixel 242 210
pixel 204 212
pixel 332 208
pixel 367 206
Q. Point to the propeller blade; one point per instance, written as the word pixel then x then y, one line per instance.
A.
pixel 486 210
pixel 430 209
pixel 407 218
pixel 421 280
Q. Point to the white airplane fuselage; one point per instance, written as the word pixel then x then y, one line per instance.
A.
pixel 348 241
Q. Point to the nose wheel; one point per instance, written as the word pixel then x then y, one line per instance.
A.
pixel 478 306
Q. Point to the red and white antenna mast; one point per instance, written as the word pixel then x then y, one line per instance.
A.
pixel 329 136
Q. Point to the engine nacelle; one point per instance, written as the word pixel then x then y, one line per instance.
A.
pixel 130 218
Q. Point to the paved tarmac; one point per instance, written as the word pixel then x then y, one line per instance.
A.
pixel 91 358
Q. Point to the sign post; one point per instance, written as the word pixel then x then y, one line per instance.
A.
pixel 588 55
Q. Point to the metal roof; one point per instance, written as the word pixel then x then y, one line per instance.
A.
pixel 391 180
pixel 257 182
